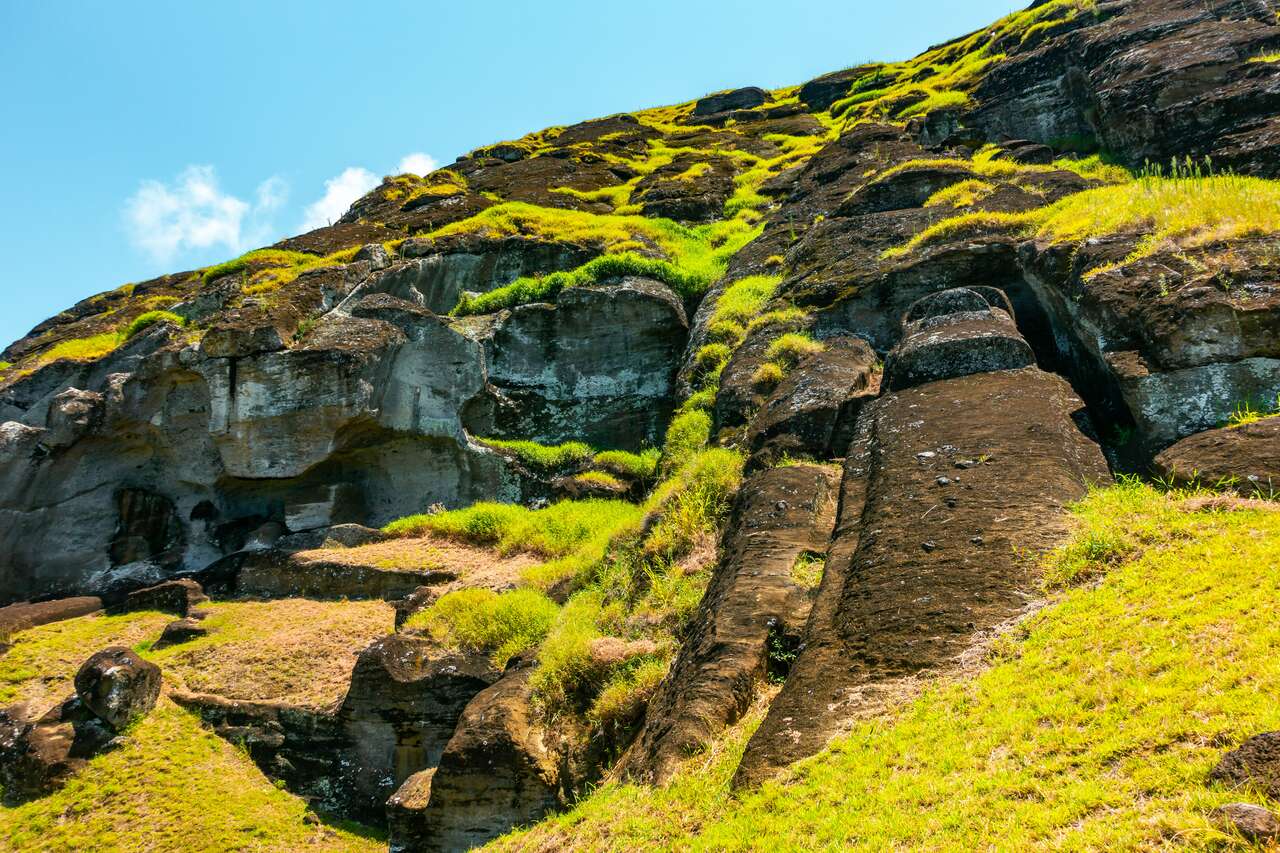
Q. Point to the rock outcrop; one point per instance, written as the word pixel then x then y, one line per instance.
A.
pixel 754 606
pixel 945 482
pixel 1245 458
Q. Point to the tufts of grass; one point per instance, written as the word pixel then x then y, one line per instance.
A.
pixel 145 321
pixel 1092 726
pixel 964 194
pixel 78 349
pixel 641 466
pixel 542 457
pixel 808 568
pixel 502 625
pixel 688 433
pixel 692 502
pixel 936 100
pixel 556 531
pixel 627 692
pixel 258 259
pixel 1183 210
pixel 599 478
pixel 1252 411
pixel 1266 58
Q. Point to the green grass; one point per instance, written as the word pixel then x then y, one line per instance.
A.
pixel 544 457
pixel 599 478
pixel 1252 411
pixel 1092 727
pixel 502 625
pixel 692 259
pixel 1177 212
pixel 688 433
pixel 641 466
pixel 556 531
pixel 265 270
pixel 963 194
pixel 1266 58
pixel 173 785
pixel 145 321
pixel 89 348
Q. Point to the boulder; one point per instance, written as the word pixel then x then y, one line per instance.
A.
pixel 1245 459
pixel 735 99
pixel 235 341
pixel 496 773
pixel 1255 823
pixel 180 631
pixel 955 333
pixel 752 599
pixel 1255 763
pixel 38 757
pixel 375 254
pixel 118 686
pixel 947 486
pixel 176 596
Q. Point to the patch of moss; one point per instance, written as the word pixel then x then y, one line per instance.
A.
pixel 543 457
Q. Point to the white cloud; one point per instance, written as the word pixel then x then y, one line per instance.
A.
pixel 339 193
pixel 417 163
pixel 193 213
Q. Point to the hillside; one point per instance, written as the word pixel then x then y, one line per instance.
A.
pixel 887 461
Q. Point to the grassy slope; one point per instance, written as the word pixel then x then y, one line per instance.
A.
pixel 1093 728
pixel 174 785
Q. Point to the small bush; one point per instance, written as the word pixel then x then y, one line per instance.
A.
pixel 543 457
pixel 145 321
pixel 768 375
pixel 504 625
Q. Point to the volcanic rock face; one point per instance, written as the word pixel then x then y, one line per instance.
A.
pixel 916 322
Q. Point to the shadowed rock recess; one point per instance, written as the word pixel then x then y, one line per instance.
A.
pixel 833 360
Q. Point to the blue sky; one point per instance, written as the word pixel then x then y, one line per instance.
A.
pixel 142 138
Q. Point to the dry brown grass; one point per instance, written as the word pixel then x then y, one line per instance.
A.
pixel 474 566
pixel 293 650
pixel 39 669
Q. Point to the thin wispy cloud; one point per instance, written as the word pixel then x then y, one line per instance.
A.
pixel 193 213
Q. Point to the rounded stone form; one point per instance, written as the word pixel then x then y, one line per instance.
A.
pixel 118 686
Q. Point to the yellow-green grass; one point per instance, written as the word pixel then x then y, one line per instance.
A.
pixel 555 531
pixel 601 479
pixel 692 258
pixel 89 348
pixel 39 669
pixel 266 270
pixel 946 76
pixel 1092 728
pixel 1176 212
pixel 1267 58
pixel 148 319
pixel 543 457
pixel 636 466
pixel 1252 411
pixel 963 194
pixel 783 354
pixel 289 650
pixel 502 625
pixel 173 785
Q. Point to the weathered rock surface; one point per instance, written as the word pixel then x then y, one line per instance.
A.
pixel 752 600
pixel 1245 459
pixel 1252 821
pixel 495 773
pixel 118 686
pixel 813 410
pixel 405 701
pixel 735 99
pixel 944 483
pixel 19 617
pixel 177 596
pixel 1255 763
pixel 956 333
pixel 38 757
pixel 180 631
